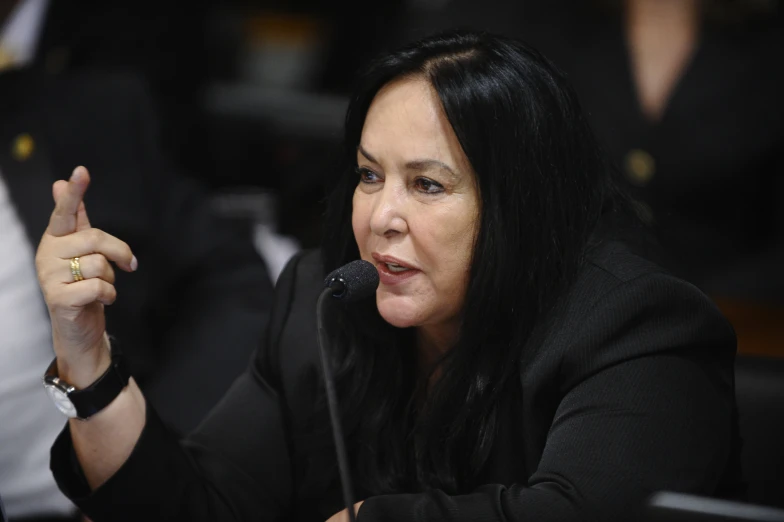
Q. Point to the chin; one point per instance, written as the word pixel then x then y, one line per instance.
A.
pixel 398 313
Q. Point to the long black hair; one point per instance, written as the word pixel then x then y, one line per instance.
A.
pixel 544 186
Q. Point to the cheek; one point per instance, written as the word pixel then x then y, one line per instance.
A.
pixel 449 242
pixel 467 241
pixel 455 265
pixel 360 220
pixel 453 282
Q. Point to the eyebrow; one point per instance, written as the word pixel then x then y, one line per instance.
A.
pixel 420 164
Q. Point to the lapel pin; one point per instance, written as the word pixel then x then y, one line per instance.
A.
pixel 23 147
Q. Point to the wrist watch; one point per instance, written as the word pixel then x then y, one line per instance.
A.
pixel 83 404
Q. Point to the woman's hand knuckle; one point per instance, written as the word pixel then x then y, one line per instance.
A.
pixel 97 263
pixel 94 238
pixel 95 286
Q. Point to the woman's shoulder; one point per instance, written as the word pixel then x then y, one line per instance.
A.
pixel 624 306
pixel 620 261
pixel 290 343
pixel 616 273
pixel 304 270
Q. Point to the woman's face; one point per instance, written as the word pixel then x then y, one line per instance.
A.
pixel 416 206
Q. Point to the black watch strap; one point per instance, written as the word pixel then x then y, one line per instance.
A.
pixel 92 399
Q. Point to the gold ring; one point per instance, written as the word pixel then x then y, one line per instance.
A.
pixel 76 270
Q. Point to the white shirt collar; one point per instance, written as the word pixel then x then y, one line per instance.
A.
pixel 22 28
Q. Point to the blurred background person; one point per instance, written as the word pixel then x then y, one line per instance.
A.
pixel 250 94
pixel 163 44
pixel 207 278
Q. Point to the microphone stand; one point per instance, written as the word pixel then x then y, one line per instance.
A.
pixel 329 384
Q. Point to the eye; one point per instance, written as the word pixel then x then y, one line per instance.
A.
pixel 367 175
pixel 428 186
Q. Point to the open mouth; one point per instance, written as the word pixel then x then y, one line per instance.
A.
pixel 393 271
pixel 396 269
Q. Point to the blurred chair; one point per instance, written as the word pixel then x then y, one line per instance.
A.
pixel 759 387
pixel 759 325
pixel 668 506
pixel 260 208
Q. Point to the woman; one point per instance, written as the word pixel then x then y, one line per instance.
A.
pixel 518 361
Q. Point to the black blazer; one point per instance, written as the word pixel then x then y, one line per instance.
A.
pixel 631 393
pixel 201 295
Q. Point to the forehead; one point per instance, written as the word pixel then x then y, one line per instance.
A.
pixel 406 120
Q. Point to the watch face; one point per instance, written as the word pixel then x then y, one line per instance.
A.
pixel 61 400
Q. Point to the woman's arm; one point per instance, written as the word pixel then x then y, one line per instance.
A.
pixel 234 466
pixel 104 441
pixel 76 310
pixel 123 463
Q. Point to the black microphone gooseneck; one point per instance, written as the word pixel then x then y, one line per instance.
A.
pixel 354 281
pixel 334 415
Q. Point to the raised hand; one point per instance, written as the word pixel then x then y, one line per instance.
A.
pixel 77 280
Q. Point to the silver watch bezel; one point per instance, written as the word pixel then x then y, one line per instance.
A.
pixel 59 392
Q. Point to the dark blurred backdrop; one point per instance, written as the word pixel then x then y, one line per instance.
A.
pixel 685 95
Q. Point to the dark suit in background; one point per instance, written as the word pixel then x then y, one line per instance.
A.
pixel 191 315
pixel 162 42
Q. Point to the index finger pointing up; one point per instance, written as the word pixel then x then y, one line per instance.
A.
pixel 68 198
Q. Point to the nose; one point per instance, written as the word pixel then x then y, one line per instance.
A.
pixel 389 211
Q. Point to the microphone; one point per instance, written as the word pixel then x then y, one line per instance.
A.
pixel 352 282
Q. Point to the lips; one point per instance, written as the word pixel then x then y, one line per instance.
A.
pixel 393 271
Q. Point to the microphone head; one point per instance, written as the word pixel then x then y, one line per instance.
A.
pixel 354 281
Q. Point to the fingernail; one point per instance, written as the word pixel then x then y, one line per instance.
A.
pixel 76 174
pixel 134 264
